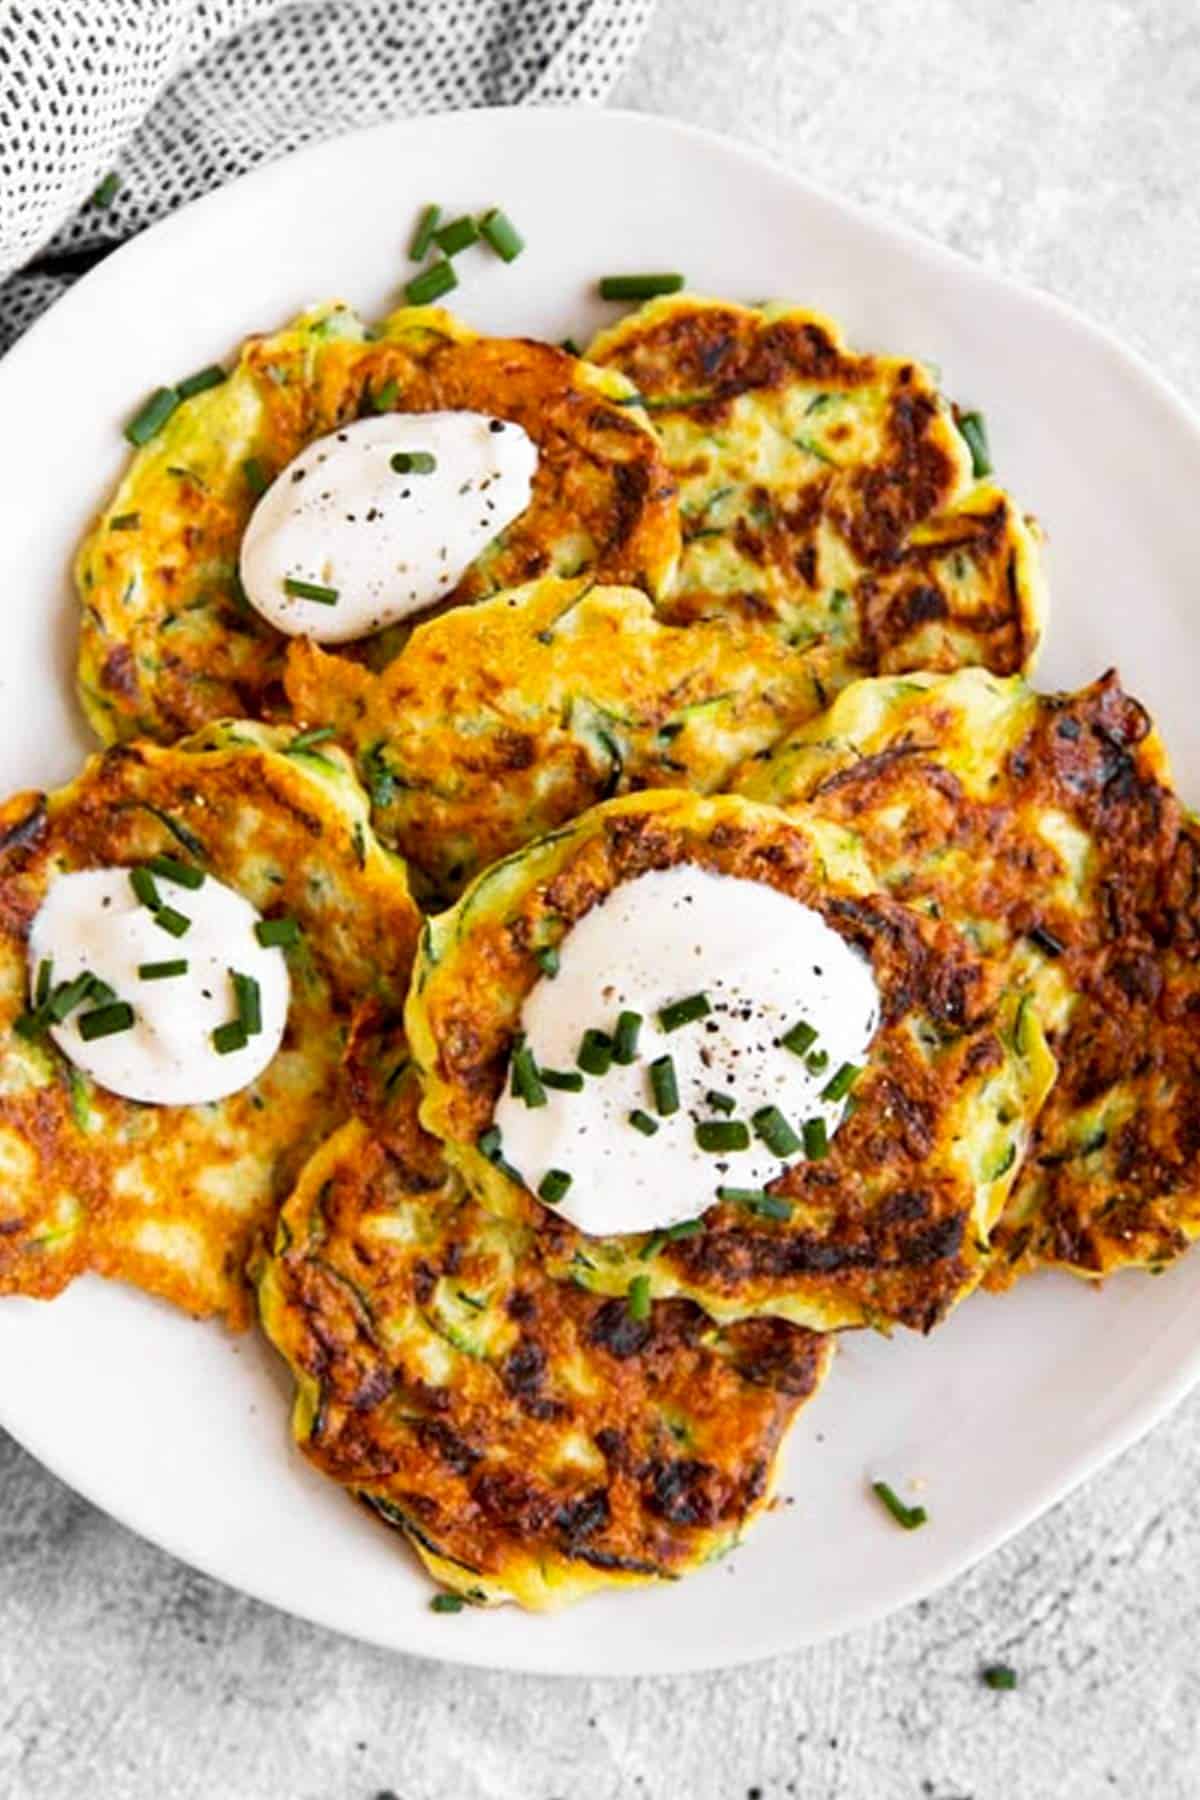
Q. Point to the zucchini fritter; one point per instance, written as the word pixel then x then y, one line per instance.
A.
pixel 893 1225
pixel 173 1198
pixel 1045 827
pixel 827 493
pixel 532 1441
pixel 168 642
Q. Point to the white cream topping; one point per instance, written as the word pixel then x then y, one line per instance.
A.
pixel 92 921
pixel 765 963
pixel 344 517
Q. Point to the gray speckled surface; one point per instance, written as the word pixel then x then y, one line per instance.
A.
pixel 1058 140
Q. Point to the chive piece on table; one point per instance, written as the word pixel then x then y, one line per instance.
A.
pixel 447 1603
pixel 177 923
pixel 230 1036
pixel 664 1086
pixel 257 479
pixel 816 1139
pixel 841 1081
pixel 163 971
pixel 638 287
pixel 385 397
pixel 553 1186
pixel 171 869
pixel 152 416
pixel 974 433
pixel 501 234
pixel 414 462
pixel 125 522
pixel 722 1134
pixel 910 1517
pixel 999 1676
pixel 722 1103
pixel 143 884
pixel 775 1131
pixel 249 1002
pixel 458 235
pixel 799 1038
pixel 438 279
pixel 643 1122
pixel 305 740
pixel 684 1012
pixel 106 1021
pixel 548 960
pixel 107 192
pixel 422 237
pixel 203 379
pixel 570 1081
pixel 625 1040
pixel 277 934
pixel 310 590
pixel 595 1052
pixel 526 1082
pixel 638 1298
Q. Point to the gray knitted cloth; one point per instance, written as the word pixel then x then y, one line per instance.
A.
pixel 176 96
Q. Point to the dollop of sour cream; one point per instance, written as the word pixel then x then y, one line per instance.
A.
pixel 93 922
pixel 765 963
pixel 347 516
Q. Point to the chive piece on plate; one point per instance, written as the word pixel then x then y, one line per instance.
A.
pixel 501 235
pixel 547 960
pixel 740 1196
pixel 722 1103
pixel 664 1085
pixel 816 1139
pixel 99 991
pixel 684 1012
pixel 722 1134
pixel 910 1517
pixel 447 1603
pixel 488 1143
pixel 163 971
pixel 841 1081
pixel 799 1038
pixel 554 1186
pixel 999 1676
pixel 150 420
pixel 625 1040
pixel 203 379
pixel 310 590
pixel 422 237
pixel 638 287
pixel 249 1002
pixel 230 1036
pixel 106 1021
pixel 257 479
pixel 817 1062
pixel 974 433
pixel 643 1122
pixel 638 1298
pixel 595 1052
pixel 143 884
pixel 66 997
pixel 570 346
pixel 526 1082
pixel 458 235
pixel 277 934
pixel 775 1131
pixel 177 923
pixel 107 192
pixel 414 462
pixel 125 522
pixel 438 279
pixel 171 869
pixel 569 1081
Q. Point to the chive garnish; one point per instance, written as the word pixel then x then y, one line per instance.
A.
pixel 595 1052
pixel 305 740
pixel 741 1196
pixel 67 996
pixel 817 1063
pixel 685 1229
pixel 106 1021
pixel 775 1131
pixel 570 346
pixel 171 869
pixel 722 1103
pixel 249 1002
pixel 974 433
pixel 799 1038
pixel 569 1080
pixel 840 1083
pixel 684 1012
pixel 422 237
pixel 45 979
pixel 1045 940
pixel 414 462
pixel 438 279
pixel 100 991
pixel 638 287
pixel 210 377
pixel 643 1122
pixel 231 1036
pixel 547 960
pixel 769 1206
pixel 625 1040
pixel 501 235
pixel 488 1143
pixel 664 1085
pixel 310 590
pixel 384 398
pixel 277 934
pixel 257 479
pixel 150 420
pixel 553 1186
pixel 143 884
pixel 638 1298
pixel 999 1676
pixel 177 923
pixel 722 1134
pixel 907 1516
pixel 458 235
pixel 816 1139
pixel 163 971
pixel 447 1603
pixel 526 1082
pixel 107 192
pixel 125 522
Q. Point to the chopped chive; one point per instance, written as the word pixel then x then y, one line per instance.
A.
pixel 257 479
pixel 310 590
pixel 447 1603
pixel 553 1186
pixel 595 1052
pixel 685 1229
pixel 526 1082
pixel 1045 940
pixel 770 1206
pixel 775 1131
pixel 664 1085
pixel 107 192
pixel 999 1676
pixel 150 420
pixel 125 522
pixel 816 1139
pixel 30 1024
pixel 66 997
pixel 249 1002
pixel 840 1083
pixel 974 433
pixel 638 1298
pixel 177 923
pixel 570 1081
pixel 106 1021
pixel 625 1041
pixel 163 971
pixel 458 235
pixel 210 377
pixel 643 1122
pixel 741 1196
pixel 501 234
pixel 143 884
pixel 414 462
pixel 684 1012
pixel 304 740
pixel 422 237
pixel 722 1103
pixel 638 287
pixel 44 982
pixel 488 1143
pixel 438 279
pixel 171 869
pixel 385 397
pixel 231 1036
pixel 547 960
pixel 570 346
pixel 722 1134
pixel 799 1038
pixel 817 1063
pixel 277 934
pixel 100 991
pixel 907 1516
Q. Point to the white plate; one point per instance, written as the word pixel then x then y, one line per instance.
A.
pixel 180 1433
